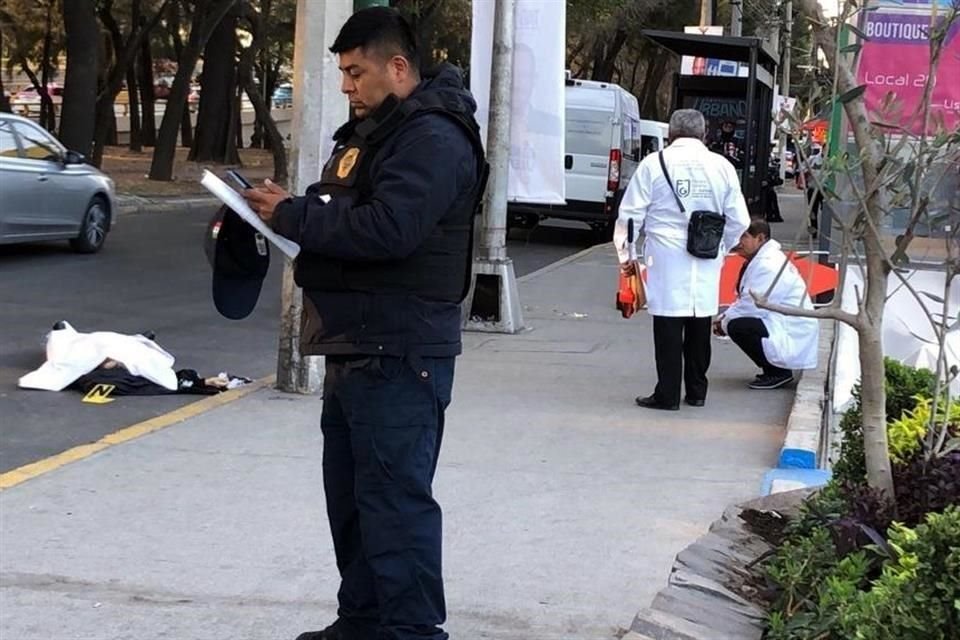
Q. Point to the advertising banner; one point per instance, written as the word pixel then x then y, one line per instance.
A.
pixel 537 111
pixel 896 59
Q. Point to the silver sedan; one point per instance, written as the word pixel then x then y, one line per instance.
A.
pixel 48 192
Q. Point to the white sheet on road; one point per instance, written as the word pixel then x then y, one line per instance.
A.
pixel 71 354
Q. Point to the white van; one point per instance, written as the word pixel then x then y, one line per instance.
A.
pixel 605 140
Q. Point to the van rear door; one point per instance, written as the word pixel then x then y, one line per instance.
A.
pixel 590 115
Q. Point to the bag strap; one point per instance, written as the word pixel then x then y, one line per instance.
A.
pixel 666 174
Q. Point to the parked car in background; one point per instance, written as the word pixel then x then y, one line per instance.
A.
pixel 283 96
pixel 30 95
pixel 49 192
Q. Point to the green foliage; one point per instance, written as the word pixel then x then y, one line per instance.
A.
pixel 905 589
pixel 903 385
pixel 906 433
pixel 917 596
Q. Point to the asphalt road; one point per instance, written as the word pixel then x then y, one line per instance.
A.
pixel 152 275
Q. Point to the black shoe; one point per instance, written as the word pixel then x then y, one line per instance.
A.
pixel 694 402
pixel 772 381
pixel 333 632
pixel 651 402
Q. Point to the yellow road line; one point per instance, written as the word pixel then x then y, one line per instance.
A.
pixel 34 469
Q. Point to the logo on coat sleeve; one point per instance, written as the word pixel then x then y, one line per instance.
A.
pixel 347 162
pixel 683 188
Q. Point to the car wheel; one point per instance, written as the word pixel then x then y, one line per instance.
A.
pixel 93 231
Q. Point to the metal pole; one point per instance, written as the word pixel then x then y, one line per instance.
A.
pixel 493 303
pixel 318 109
pixel 706 13
pixel 785 82
pixel 493 243
pixel 736 18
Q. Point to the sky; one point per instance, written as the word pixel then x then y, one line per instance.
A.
pixel 830 7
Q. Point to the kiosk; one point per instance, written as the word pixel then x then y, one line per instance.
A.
pixel 734 82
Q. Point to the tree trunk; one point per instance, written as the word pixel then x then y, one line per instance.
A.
pixel 133 99
pixel 161 168
pixel 48 112
pixel 133 109
pixel 148 122
pixel 213 142
pixel 649 106
pixel 236 131
pixel 4 100
pixel 260 105
pixel 124 53
pixel 79 111
pixel 186 128
pixel 605 61
pixel 872 385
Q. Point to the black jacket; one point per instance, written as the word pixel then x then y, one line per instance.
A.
pixel 422 175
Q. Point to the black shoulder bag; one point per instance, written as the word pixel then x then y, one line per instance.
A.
pixel 705 229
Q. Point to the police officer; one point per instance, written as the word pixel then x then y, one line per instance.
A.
pixel 385 258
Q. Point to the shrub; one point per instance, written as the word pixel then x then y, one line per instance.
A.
pixel 917 597
pixel 906 433
pixel 904 589
pixel 903 385
pixel 924 486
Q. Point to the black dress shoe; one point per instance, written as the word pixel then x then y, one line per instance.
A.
pixel 694 402
pixel 330 633
pixel 341 630
pixel 651 402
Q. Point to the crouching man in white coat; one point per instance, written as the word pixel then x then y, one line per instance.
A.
pixel 682 290
pixel 776 343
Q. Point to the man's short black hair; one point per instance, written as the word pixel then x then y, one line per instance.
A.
pixel 382 29
pixel 758 226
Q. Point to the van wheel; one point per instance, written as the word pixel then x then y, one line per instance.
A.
pixel 93 230
pixel 602 232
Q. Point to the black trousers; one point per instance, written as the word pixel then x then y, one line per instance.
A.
pixel 682 348
pixel 748 334
pixel 382 424
pixel 814 199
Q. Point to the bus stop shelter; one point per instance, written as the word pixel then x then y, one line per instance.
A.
pixel 743 95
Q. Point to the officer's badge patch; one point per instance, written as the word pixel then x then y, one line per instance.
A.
pixel 347 162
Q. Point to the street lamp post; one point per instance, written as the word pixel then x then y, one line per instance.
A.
pixel 493 303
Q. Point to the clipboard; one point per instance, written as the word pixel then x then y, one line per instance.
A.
pixel 228 196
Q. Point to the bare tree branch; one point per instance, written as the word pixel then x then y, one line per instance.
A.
pixel 823 313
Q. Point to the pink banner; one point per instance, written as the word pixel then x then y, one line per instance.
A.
pixel 897 59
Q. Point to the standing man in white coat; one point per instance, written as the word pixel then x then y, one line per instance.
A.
pixel 682 290
pixel 776 343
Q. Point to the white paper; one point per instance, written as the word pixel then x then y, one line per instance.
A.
pixel 235 201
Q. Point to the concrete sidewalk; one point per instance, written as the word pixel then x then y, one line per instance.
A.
pixel 564 502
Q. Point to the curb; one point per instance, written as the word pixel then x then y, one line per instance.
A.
pixel 798 464
pixel 128 204
pixel 41 467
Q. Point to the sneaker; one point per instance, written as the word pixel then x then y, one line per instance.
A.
pixel 772 382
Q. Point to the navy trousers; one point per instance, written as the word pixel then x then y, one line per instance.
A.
pixel 382 426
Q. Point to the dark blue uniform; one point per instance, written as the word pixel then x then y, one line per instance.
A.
pixel 384 265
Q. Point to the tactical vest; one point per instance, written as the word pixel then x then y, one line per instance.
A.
pixel 440 268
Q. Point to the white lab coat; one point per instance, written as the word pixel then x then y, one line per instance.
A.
pixel 678 284
pixel 793 340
